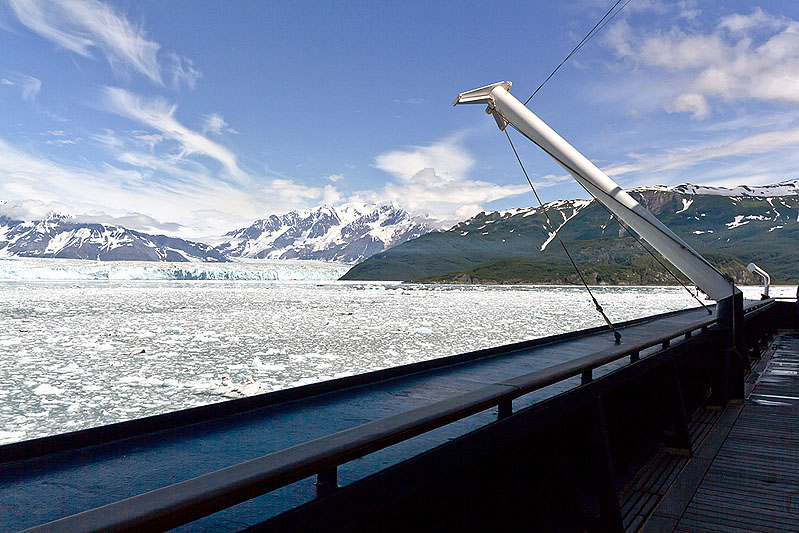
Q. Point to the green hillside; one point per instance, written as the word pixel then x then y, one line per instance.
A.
pixel 504 246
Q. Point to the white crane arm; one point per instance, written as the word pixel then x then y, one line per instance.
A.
pixel 507 109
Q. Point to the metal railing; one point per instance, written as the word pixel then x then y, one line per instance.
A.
pixel 190 500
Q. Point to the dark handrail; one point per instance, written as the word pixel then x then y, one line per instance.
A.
pixel 190 500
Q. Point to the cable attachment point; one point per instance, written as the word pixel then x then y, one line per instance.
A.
pixel 498 118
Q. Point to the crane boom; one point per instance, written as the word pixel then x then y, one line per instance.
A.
pixel 507 109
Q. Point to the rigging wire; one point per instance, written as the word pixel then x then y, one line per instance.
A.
pixel 598 307
pixel 590 35
pixel 575 172
pixel 650 252
pixel 604 21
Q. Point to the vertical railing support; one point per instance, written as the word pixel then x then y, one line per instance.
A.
pixel 326 482
pixel 586 377
pixel 610 518
pixel 681 440
pixel 504 409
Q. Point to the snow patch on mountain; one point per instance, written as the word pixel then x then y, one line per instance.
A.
pixel 785 188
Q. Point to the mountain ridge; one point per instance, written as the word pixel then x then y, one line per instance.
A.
pixel 346 234
pixel 743 223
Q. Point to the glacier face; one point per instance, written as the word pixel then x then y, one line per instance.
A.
pixel 59 236
pixel 36 269
pixel 347 234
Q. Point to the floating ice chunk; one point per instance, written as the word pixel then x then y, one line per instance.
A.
pixel 46 388
pixel 251 388
pixel 421 331
pixel 272 367
pixel 173 331
pixel 10 436
pixel 257 363
pixel 70 368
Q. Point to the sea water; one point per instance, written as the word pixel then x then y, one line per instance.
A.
pixel 84 344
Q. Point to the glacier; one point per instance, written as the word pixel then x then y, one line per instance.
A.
pixel 37 269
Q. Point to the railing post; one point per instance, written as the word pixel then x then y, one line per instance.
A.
pixel 504 409
pixel 666 343
pixel 635 356
pixel 327 482
pixel 610 518
pixel 586 376
pixel 681 439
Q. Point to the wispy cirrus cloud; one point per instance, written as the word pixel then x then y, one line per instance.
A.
pixel 158 114
pixel 181 71
pixel 29 85
pixel 91 27
pixel 86 26
pixel 755 159
pixel 190 200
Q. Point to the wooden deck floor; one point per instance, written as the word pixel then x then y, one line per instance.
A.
pixel 745 474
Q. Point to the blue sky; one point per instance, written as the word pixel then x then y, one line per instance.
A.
pixel 194 118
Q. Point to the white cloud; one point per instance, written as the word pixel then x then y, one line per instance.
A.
pixel 449 160
pixel 29 85
pixel 82 26
pixel 182 72
pixel 693 103
pixel 136 221
pixel 335 177
pixel 432 180
pixel 160 115
pixel 178 191
pixel 745 57
pixel 288 192
pixel 215 123
pixel 29 210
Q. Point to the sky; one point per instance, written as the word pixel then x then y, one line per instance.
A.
pixel 195 118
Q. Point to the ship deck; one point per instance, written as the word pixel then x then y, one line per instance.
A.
pixel 744 476
pixel 40 482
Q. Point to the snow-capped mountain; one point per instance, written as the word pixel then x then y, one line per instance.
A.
pixel 785 188
pixel 347 234
pixel 746 223
pixel 60 236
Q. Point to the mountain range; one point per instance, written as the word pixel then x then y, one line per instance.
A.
pixel 730 226
pixel 345 234
pixel 61 236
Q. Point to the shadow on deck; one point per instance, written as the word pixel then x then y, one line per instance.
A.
pixel 745 474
